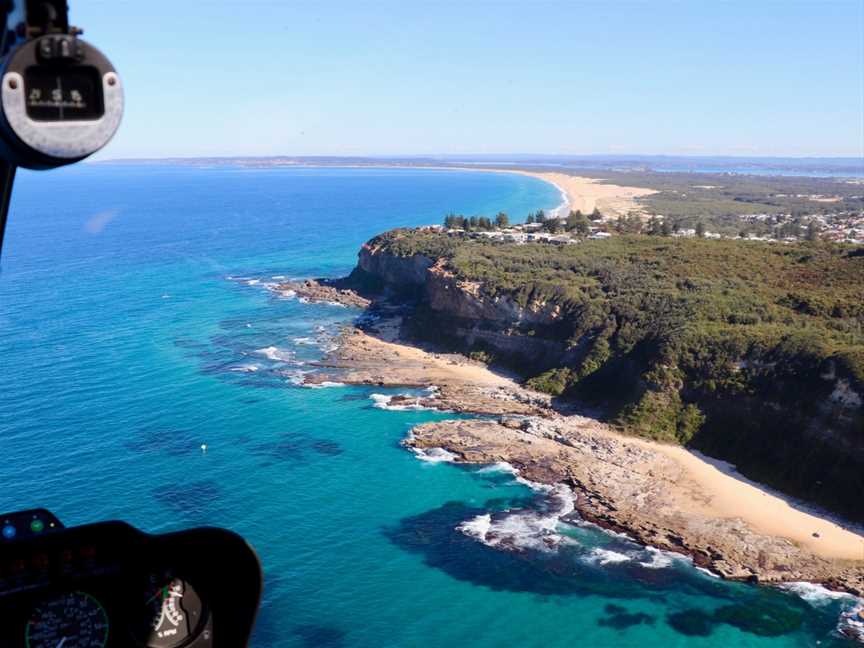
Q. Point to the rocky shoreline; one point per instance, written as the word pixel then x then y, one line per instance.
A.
pixel 621 483
pixel 626 486
pixel 330 291
pixel 364 359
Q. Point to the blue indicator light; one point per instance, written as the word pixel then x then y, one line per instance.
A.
pixel 9 531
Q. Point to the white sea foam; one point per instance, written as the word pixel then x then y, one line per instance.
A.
pixel 328 346
pixel 434 455
pixel 276 354
pixel 606 557
pixel 851 622
pixel 296 377
pixel 524 529
pixel 564 208
pixel 478 527
pixel 247 368
pixel 324 384
pixel 660 559
pixel 707 572
pixel 610 532
pixel 817 595
pixel 307 341
pixel 499 467
pixel 535 486
pixel 383 401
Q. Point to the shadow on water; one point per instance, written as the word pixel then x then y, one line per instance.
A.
pixel 195 501
pixel 292 447
pixel 434 536
pixel 765 614
pixel 620 619
pixel 271 629
pixel 760 611
pixel 172 442
pixel 347 398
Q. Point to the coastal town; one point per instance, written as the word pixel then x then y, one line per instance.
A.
pixel 772 209
pixel 840 227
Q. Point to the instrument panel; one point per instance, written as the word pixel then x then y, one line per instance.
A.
pixel 107 584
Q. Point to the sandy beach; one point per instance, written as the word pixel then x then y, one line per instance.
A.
pixel 462 385
pixel 586 194
pixel 729 496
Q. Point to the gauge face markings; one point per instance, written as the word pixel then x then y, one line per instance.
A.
pixel 70 620
pixel 172 613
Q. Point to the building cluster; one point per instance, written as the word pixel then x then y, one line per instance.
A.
pixel 519 234
pixel 841 227
pixel 837 227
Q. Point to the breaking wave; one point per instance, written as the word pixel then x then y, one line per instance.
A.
pixel 276 354
pixel 816 594
pixel 606 557
pixel 404 404
pixel 247 368
pixel 324 384
pixel 525 529
pixel 435 455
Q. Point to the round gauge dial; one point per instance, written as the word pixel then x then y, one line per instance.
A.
pixel 173 613
pixel 72 620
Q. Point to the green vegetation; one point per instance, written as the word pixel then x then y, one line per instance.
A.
pixel 578 222
pixel 553 381
pixel 728 346
pixel 719 201
pixel 673 290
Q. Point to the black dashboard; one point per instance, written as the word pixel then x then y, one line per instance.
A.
pixel 109 585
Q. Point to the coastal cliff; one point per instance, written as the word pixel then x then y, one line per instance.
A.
pixel 752 353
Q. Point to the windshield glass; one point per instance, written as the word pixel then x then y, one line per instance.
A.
pixel 473 322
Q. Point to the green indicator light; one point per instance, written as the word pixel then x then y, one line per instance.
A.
pixel 37 526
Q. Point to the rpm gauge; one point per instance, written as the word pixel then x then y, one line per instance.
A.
pixel 173 613
pixel 71 620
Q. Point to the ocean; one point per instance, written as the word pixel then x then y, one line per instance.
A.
pixel 137 323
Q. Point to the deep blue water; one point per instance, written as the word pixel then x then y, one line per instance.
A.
pixel 136 325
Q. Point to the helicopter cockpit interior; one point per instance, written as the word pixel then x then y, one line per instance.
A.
pixel 102 584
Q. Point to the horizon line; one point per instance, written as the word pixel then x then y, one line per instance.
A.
pixel 422 156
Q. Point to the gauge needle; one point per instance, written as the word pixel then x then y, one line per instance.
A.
pixel 62 641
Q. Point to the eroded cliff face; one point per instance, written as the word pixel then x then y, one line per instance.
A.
pixel 800 428
pixel 399 274
pixel 460 314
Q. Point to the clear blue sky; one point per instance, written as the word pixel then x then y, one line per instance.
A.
pixel 249 77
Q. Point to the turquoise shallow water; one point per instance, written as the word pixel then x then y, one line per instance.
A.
pixel 136 325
